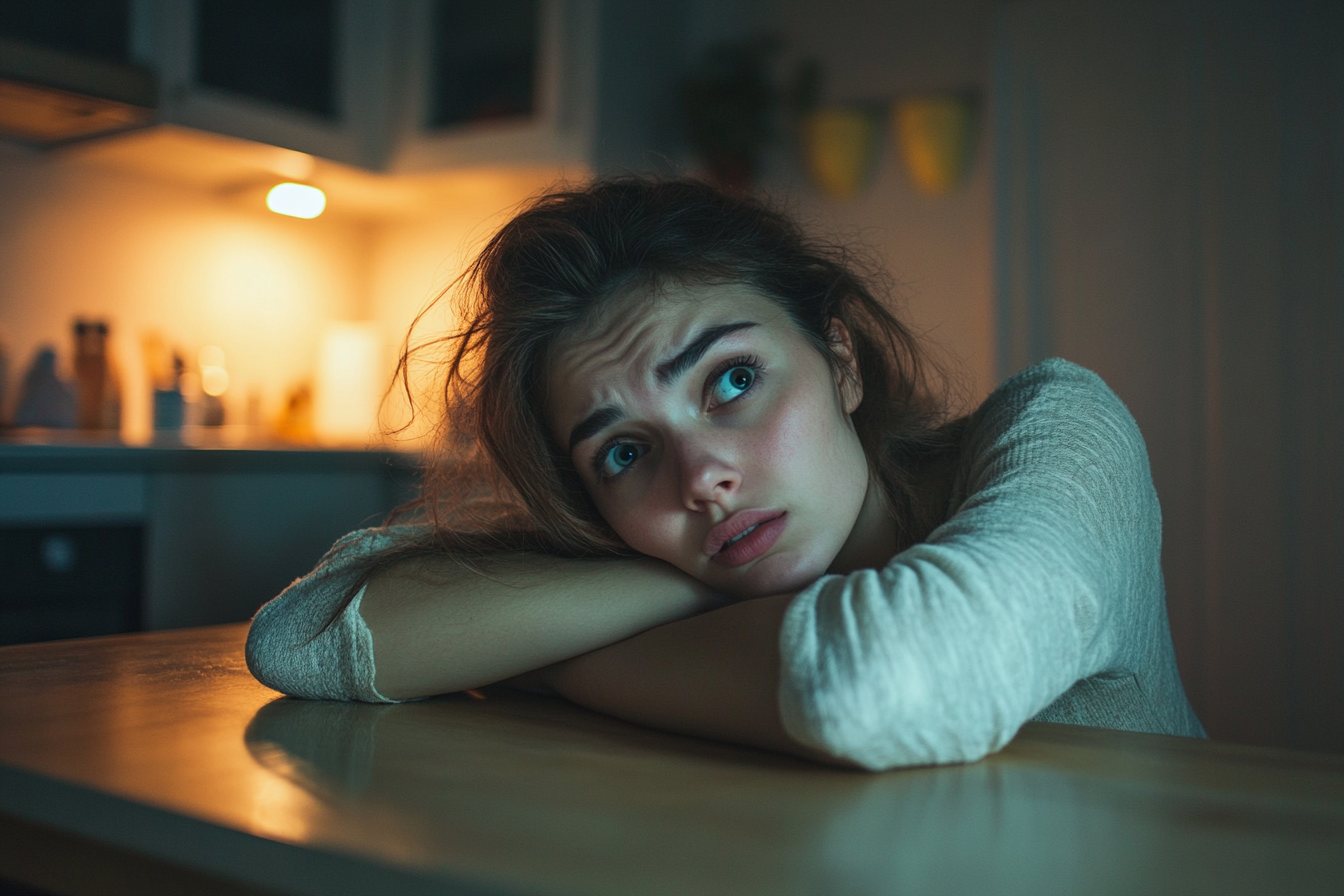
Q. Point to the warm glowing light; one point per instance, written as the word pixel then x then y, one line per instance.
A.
pixel 211 356
pixel 214 378
pixel 349 383
pixel 296 200
pixel 214 381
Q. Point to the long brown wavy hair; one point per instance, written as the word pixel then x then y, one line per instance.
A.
pixel 497 481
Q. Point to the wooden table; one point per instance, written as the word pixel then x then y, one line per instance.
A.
pixel 148 762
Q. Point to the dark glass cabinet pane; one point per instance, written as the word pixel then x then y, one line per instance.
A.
pixel 96 28
pixel 70 581
pixel 278 51
pixel 484 61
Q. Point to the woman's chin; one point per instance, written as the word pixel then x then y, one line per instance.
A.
pixel 784 573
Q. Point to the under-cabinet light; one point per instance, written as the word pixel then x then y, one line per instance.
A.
pixel 296 200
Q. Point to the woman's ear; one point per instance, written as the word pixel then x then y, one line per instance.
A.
pixel 847 377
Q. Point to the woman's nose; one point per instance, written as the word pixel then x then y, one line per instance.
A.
pixel 707 477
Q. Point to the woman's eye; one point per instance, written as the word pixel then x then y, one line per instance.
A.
pixel 734 382
pixel 620 457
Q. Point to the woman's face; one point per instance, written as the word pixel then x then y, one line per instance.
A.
pixel 712 435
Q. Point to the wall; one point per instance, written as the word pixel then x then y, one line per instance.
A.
pixel 938 249
pixel 1171 214
pixel 414 260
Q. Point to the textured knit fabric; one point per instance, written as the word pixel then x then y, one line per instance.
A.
pixel 1040 597
pixel 292 648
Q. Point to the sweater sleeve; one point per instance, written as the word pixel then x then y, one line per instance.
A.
pixel 943 654
pixel 304 644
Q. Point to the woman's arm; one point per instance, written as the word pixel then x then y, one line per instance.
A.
pixel 1047 574
pixel 715 675
pixel 440 626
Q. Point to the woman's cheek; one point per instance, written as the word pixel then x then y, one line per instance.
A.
pixel 644 529
pixel 783 434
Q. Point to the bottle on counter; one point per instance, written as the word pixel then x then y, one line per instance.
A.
pixel 170 409
pixel 44 400
pixel 98 400
pixel 163 369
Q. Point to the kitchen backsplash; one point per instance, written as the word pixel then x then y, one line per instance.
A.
pixel 172 269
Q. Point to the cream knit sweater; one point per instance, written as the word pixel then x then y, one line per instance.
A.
pixel 1041 597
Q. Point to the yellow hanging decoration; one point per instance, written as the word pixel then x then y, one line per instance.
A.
pixel 936 137
pixel 840 147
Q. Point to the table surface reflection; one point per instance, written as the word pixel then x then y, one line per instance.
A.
pixel 162 744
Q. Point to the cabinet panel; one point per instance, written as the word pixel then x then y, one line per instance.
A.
pixel 279 53
pixel 69 581
pixel 325 89
pixel 483 61
pixel 442 125
pixel 196 537
pixel 71 554
pixel 100 29
pixel 426 85
pixel 221 545
pixel 36 498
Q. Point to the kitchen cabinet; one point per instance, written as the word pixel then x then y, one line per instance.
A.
pixel 72 69
pixel 393 86
pixel 506 83
pixel 309 75
pixel 397 86
pixel 96 540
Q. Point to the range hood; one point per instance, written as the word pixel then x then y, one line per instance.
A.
pixel 48 97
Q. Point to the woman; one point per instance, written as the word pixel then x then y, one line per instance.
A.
pixel 696 480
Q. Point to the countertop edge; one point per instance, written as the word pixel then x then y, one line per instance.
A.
pixel 152 459
pixel 201 846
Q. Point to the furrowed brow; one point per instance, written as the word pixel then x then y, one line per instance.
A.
pixel 594 423
pixel 685 359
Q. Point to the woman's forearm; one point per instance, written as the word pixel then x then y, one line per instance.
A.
pixel 440 626
pixel 714 675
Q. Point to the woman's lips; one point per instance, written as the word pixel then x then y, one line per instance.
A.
pixel 745 536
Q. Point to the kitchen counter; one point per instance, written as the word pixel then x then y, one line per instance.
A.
pixel 153 762
pixel 93 454
pixel 151 536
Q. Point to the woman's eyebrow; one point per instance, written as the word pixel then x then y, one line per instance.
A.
pixel 666 371
pixel 594 423
pixel 684 360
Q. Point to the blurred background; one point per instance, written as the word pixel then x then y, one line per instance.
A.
pixel 218 218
